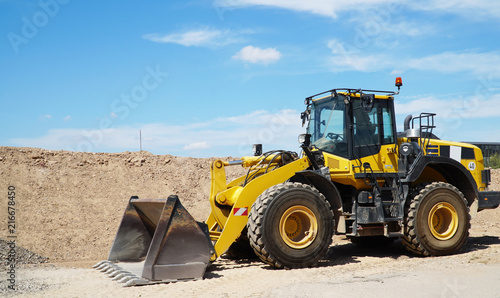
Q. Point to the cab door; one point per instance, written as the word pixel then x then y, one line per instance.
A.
pixel 374 135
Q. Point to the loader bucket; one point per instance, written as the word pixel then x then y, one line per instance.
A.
pixel 158 241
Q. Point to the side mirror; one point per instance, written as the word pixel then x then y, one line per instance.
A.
pixel 305 117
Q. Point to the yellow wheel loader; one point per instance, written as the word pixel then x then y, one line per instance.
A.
pixel 355 176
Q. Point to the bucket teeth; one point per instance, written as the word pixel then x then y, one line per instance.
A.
pixel 116 272
pixel 121 275
pixel 134 282
pixel 101 265
pixel 126 278
pixel 98 264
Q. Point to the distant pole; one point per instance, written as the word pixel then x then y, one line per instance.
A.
pixel 140 139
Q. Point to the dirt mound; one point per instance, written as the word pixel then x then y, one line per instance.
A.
pixel 495 179
pixel 69 204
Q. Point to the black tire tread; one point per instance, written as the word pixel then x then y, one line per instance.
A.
pixel 411 240
pixel 254 224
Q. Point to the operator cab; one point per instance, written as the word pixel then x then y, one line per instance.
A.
pixel 351 123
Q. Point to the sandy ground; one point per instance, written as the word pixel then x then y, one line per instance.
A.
pixel 69 206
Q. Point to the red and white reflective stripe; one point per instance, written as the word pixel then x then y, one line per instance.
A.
pixel 240 211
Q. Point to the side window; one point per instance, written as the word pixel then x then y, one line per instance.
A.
pixel 332 122
pixel 366 130
pixel 388 136
pixel 324 116
pixel 329 127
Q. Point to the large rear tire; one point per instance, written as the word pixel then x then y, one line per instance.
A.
pixel 437 221
pixel 290 225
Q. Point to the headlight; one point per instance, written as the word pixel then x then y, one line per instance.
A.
pixel 305 139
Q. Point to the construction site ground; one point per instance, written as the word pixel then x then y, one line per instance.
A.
pixel 68 206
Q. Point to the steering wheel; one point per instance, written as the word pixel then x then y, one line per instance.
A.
pixel 335 136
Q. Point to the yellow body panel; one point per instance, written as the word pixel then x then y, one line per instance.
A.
pixel 226 222
pixel 343 170
pixel 473 165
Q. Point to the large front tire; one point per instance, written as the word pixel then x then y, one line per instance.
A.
pixel 437 221
pixel 290 225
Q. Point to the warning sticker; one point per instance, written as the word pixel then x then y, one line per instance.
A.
pixel 240 211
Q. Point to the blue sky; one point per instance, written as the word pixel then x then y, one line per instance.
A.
pixel 210 78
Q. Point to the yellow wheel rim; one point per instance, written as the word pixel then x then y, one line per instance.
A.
pixel 443 221
pixel 298 227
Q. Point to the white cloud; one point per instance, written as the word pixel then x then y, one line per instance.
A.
pixel 346 57
pixel 67 118
pixel 45 117
pixel 470 8
pixel 199 38
pixel 329 8
pixel 326 8
pixel 196 146
pixel 406 28
pixel 477 63
pixel 217 137
pixel 475 107
pixel 423 104
pixel 358 63
pixel 257 55
pixel 349 59
pixel 397 72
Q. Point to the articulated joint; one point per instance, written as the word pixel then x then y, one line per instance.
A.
pixel 229 196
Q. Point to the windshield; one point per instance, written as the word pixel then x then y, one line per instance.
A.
pixel 327 125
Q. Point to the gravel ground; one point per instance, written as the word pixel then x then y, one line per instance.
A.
pixel 22 255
